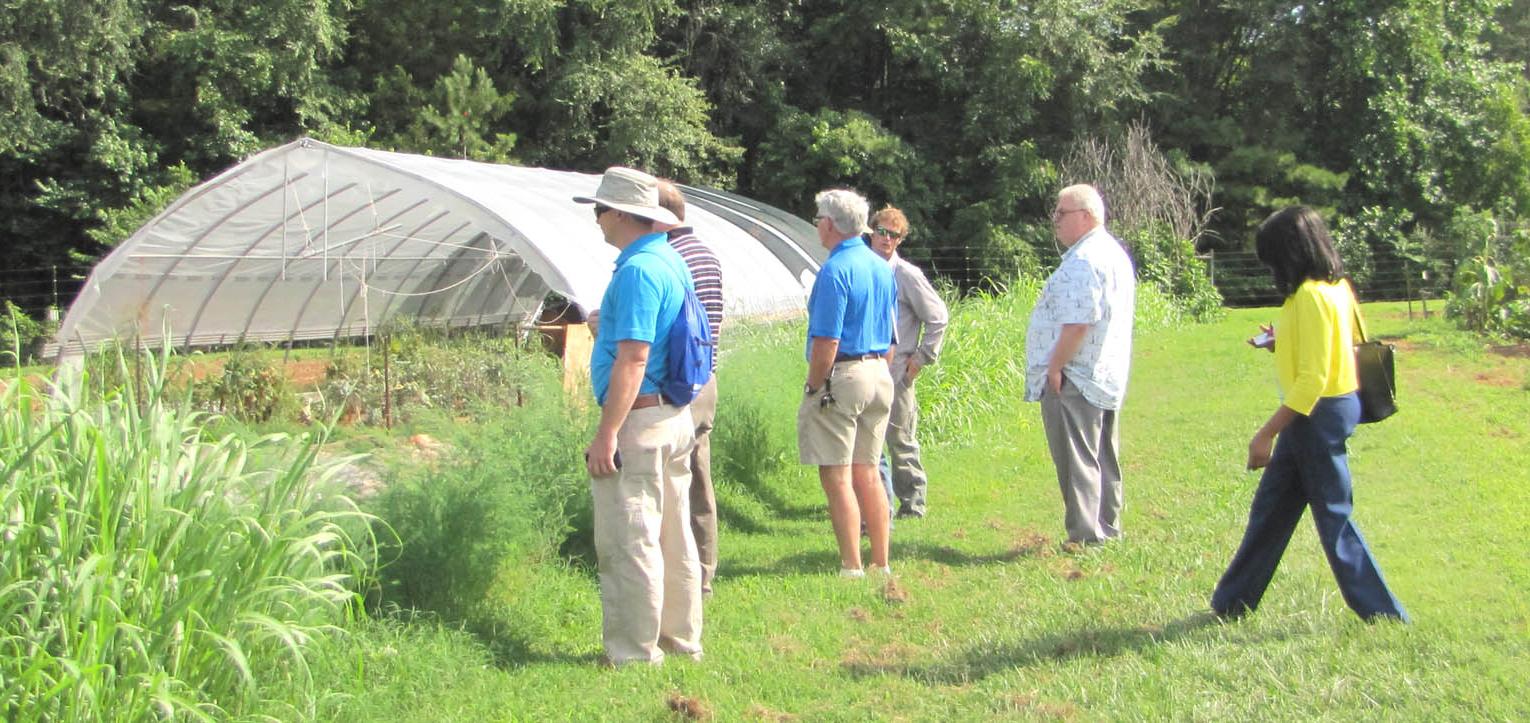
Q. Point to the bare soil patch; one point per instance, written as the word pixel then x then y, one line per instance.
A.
pixel 307 372
pixel 1513 351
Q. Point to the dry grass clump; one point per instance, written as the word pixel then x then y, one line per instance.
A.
pixel 688 708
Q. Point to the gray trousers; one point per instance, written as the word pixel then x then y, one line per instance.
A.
pixel 703 500
pixel 908 478
pixel 1084 440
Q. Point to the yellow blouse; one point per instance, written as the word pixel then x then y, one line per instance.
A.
pixel 1314 347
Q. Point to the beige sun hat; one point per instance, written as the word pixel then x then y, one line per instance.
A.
pixel 631 191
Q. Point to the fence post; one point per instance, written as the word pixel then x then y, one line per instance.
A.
pixel 387 399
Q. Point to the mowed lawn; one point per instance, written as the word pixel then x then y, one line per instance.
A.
pixel 989 619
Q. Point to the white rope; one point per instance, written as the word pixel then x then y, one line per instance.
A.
pixel 487 265
pixel 376 224
pixel 325 267
pixel 286 183
pixel 302 217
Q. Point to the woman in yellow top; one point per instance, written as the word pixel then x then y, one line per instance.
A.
pixel 1308 467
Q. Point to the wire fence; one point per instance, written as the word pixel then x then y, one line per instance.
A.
pixel 1241 278
pixel 40 288
pixel 1244 280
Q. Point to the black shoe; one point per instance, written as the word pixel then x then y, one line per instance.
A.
pixel 907 512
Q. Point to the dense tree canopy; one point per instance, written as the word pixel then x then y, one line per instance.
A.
pixel 1397 119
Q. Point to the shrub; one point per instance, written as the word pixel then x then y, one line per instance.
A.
pixel 250 387
pixel 427 369
pixel 1491 289
pixel 151 573
pixel 744 452
pixel 1167 261
pixel 20 335
pixel 1488 298
pixel 511 492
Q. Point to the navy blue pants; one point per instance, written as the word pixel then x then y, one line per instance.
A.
pixel 1309 468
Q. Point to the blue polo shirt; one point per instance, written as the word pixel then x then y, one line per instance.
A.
pixel 640 304
pixel 854 300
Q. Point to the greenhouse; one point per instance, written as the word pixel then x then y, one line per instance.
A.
pixel 311 241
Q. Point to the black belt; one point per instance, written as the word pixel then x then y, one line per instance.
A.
pixel 858 357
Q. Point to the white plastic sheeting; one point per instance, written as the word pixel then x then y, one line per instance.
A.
pixel 314 241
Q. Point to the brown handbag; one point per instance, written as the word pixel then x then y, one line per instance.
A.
pixel 1376 370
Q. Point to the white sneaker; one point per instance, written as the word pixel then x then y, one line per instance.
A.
pixel 854 574
pixel 884 571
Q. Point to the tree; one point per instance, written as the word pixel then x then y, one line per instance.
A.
pixel 465 109
pixel 630 109
pixel 64 68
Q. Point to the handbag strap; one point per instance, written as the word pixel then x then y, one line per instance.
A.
pixel 1354 304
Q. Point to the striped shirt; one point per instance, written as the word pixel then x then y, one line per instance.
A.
pixel 706 273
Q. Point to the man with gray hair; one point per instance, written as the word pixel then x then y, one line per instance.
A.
pixel 848 395
pixel 1078 353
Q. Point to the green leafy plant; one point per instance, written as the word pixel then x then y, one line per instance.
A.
pixel 1488 298
pixel 424 369
pixel 1168 261
pixel 249 387
pixel 20 334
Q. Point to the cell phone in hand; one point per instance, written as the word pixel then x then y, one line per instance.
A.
pixel 616 458
pixel 1263 339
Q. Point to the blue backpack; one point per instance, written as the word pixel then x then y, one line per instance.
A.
pixel 690 352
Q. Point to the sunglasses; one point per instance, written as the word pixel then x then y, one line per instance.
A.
pixel 599 209
pixel 889 233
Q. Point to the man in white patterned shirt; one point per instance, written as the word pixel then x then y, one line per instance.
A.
pixel 1078 353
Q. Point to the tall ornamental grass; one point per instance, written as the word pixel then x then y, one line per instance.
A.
pixel 147 571
pixel 981 373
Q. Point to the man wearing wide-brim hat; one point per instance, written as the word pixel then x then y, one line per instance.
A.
pixel 639 459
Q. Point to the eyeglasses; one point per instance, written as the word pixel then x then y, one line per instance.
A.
pixel 1058 214
pixel 599 209
pixel 889 233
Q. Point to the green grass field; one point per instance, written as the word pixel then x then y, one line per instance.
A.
pixel 988 619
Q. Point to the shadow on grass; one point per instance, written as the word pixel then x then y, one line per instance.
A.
pixel 825 559
pixel 1027 547
pixel 513 651
pixel 778 505
pixel 981 662
pixel 733 517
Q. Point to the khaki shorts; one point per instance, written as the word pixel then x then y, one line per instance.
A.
pixel 852 428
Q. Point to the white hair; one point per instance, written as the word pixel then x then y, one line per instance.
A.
pixel 845 208
pixel 1087 197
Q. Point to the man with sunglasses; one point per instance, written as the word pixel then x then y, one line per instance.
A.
pixel 922 318
pixel 639 458
pixel 1078 352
